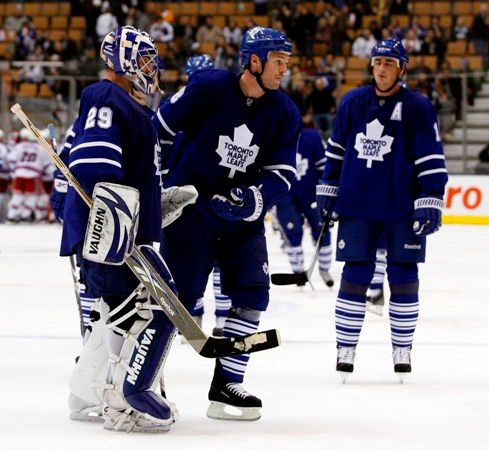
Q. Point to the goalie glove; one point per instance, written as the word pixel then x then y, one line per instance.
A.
pixel 245 203
pixel 173 200
pixel 427 215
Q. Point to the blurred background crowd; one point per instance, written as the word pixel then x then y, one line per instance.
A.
pixel 49 51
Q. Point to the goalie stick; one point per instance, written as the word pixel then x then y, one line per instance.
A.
pixel 301 278
pixel 207 346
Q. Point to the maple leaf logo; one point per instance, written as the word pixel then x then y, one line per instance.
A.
pixel 373 146
pixel 302 166
pixel 237 153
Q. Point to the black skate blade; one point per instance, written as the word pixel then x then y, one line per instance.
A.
pixel 284 279
pixel 238 345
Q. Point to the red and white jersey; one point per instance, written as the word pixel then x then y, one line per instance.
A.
pixel 29 160
pixel 4 168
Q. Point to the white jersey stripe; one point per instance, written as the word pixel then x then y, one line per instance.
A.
pixel 164 124
pixel 427 158
pixel 95 161
pixel 97 144
pixel 431 172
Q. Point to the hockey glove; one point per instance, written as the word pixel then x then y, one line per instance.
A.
pixel 58 197
pixel 245 203
pixel 326 197
pixel 427 215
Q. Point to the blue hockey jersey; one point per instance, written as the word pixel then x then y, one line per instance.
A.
pixel 114 141
pixel 310 165
pixel 383 154
pixel 230 140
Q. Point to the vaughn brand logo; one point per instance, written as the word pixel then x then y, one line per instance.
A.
pixel 97 230
pixel 140 356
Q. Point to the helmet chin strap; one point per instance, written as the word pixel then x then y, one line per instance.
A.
pixel 258 77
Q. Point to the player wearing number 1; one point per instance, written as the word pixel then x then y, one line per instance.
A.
pixel 114 141
pixel 385 174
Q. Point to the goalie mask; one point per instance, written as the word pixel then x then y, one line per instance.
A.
pixel 132 53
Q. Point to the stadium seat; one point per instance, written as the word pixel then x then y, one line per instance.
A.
pixel 462 7
pixel 446 21
pixel 209 48
pixel 75 35
pixel 59 22
pixel 403 20
pixel 357 63
pixel 41 22
pixel 438 8
pixel 189 8
pixel 27 90
pixel 78 22
pixel 32 9
pixel 50 8
pixel 262 21
pixel 208 8
pixel 64 9
pixel 245 8
pixel 45 91
pixel 227 8
pixel 421 8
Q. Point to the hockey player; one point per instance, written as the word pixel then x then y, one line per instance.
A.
pixel 28 162
pixel 4 178
pixel 385 174
pixel 240 140
pixel 114 141
pixel 300 204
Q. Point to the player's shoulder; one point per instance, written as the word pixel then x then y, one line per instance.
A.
pixel 212 78
pixel 106 93
pixel 283 103
pixel 358 94
pixel 416 100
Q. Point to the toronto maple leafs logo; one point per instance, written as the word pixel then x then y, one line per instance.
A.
pixel 302 165
pixel 373 146
pixel 237 154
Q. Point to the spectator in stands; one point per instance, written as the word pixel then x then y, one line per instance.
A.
pixel 482 167
pixel 106 23
pixel 226 55
pixel 232 33
pixel 418 66
pixel 13 24
pixel 455 85
pixel 415 25
pixel 25 42
pixel 305 29
pixel 460 30
pixel 261 7
pixel 286 16
pixel 137 19
pixel 208 32
pixel 411 42
pixel 3 35
pixel 396 30
pixel 375 29
pixel 322 105
pixel 480 31
pixel 162 30
pixel 46 43
pixel 445 106
pixel 324 32
pixel 399 7
pixel 363 44
pixel 33 72
pixel 433 46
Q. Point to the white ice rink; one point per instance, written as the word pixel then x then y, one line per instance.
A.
pixel 444 404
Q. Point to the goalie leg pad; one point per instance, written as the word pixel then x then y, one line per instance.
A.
pixel 136 358
pixel 88 378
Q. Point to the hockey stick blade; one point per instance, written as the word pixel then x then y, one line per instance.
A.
pixel 285 279
pixel 209 347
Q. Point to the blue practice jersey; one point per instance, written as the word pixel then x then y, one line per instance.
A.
pixel 113 141
pixel 310 165
pixel 228 139
pixel 383 154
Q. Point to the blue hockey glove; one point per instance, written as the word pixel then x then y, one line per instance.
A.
pixel 58 197
pixel 326 197
pixel 427 215
pixel 245 203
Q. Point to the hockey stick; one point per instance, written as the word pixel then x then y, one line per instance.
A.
pixel 207 346
pixel 301 278
pixel 83 329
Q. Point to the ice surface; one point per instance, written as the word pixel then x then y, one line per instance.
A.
pixel 444 403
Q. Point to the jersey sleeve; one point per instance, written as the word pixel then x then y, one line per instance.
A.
pixel 279 171
pixel 429 160
pixel 319 156
pixel 336 145
pixel 96 151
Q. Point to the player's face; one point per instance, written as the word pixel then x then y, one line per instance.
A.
pixel 275 69
pixel 386 71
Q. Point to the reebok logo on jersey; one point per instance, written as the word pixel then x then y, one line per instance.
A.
pixel 140 357
pixel 412 246
pixel 237 154
pixel 372 146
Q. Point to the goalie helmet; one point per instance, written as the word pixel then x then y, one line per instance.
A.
pixel 261 41
pixel 199 62
pixel 390 48
pixel 132 53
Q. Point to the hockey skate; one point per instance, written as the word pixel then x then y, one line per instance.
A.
pixel 402 361
pixel 327 278
pixel 375 302
pixel 229 401
pixel 83 411
pixel 344 362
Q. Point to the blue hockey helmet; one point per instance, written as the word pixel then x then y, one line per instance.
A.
pixel 261 41
pixel 391 48
pixel 132 53
pixel 199 62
